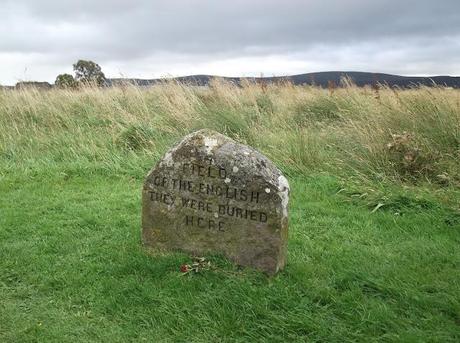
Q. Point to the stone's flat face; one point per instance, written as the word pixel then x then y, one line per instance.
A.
pixel 210 194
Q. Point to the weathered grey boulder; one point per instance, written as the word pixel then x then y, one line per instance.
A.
pixel 210 194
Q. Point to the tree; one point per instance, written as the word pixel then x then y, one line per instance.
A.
pixel 88 72
pixel 65 81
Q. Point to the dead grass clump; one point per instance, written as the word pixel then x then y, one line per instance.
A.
pixel 408 159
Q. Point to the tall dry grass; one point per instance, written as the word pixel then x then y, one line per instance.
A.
pixel 384 134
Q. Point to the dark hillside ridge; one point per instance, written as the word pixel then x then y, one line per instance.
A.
pixel 322 79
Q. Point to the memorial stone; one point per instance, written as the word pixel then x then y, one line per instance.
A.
pixel 210 194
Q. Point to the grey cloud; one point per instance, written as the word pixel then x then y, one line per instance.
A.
pixel 120 30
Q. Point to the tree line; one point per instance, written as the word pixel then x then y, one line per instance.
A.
pixel 86 73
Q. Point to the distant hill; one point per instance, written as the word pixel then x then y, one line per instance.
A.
pixel 320 79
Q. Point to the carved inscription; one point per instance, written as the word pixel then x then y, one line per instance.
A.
pixel 207 199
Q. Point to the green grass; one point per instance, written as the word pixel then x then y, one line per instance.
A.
pixel 72 269
pixel 374 236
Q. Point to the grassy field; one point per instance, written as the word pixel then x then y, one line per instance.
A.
pixel 374 242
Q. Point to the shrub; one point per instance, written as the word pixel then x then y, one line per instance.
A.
pixel 408 158
pixel 65 81
pixel 136 137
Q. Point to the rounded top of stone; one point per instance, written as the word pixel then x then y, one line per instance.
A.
pixel 207 144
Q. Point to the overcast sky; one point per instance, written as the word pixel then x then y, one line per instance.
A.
pixel 152 38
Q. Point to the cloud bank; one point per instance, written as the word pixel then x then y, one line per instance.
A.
pixel 147 38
